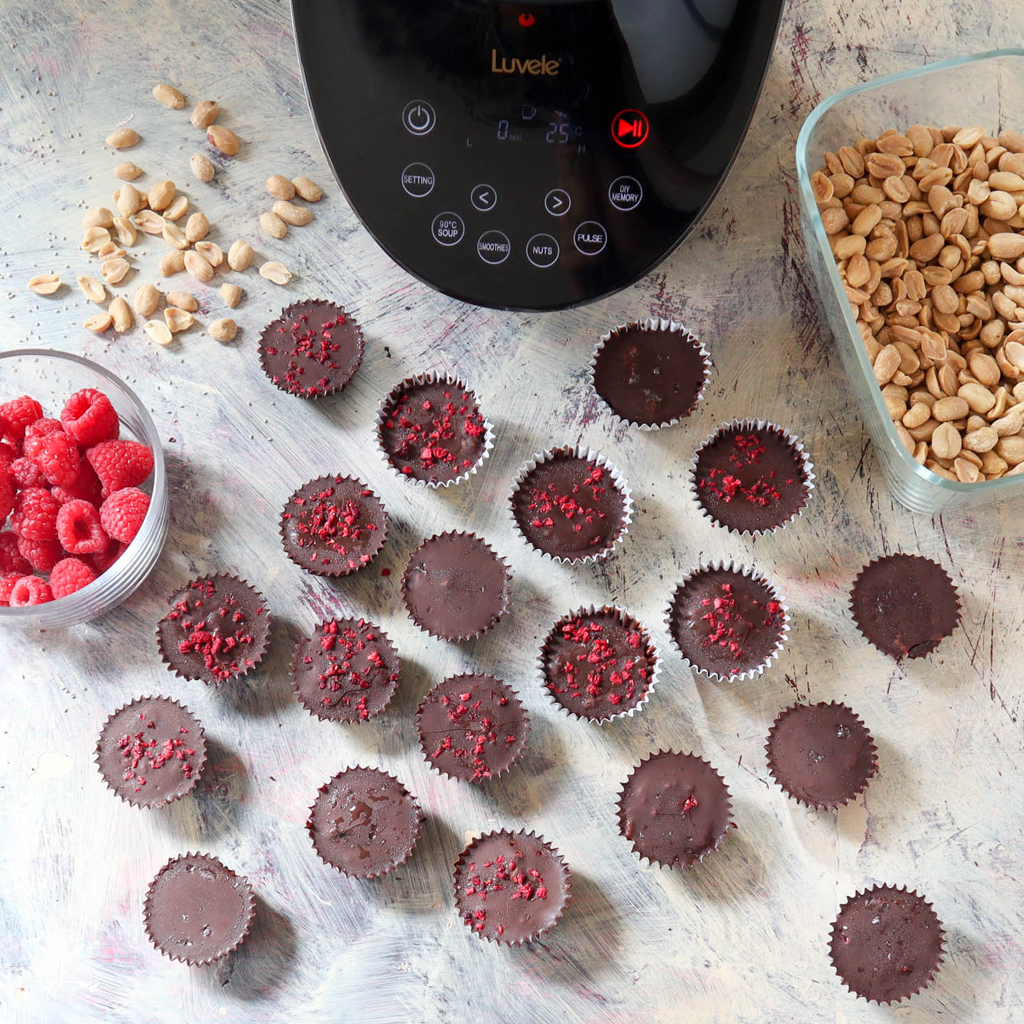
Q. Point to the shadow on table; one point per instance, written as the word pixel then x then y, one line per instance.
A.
pixel 265 690
pixel 530 783
pixel 260 966
pixel 213 807
pixel 734 871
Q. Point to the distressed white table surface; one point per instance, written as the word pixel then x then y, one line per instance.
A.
pixel 742 938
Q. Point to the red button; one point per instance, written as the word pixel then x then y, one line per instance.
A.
pixel 630 128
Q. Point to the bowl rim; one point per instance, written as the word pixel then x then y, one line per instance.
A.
pixel 70 604
pixel 984 488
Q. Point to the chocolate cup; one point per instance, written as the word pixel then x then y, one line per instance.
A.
pixel 589 455
pixel 334 386
pixel 652 324
pixel 923 647
pixel 255 655
pixel 621 616
pixel 196 742
pixel 730 566
pixel 807 468
pixel 393 863
pixel 476 780
pixel 316 711
pixel 381 534
pixel 239 884
pixel 875 989
pixel 726 812
pixel 787 786
pixel 565 884
pixel 503 603
pixel 431 377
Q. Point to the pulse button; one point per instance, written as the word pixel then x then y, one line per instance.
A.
pixel 419 117
pixel 590 238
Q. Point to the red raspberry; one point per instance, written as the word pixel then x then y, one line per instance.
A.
pixel 103 560
pixel 42 555
pixel 79 528
pixel 89 418
pixel 27 474
pixel 120 464
pixel 40 428
pixel 69 575
pixel 11 559
pixel 86 485
pixel 18 414
pixel 35 514
pixel 8 453
pixel 7 582
pixel 30 590
pixel 56 455
pixel 7 493
pixel 122 513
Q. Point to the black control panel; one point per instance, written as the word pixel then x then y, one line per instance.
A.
pixel 532 156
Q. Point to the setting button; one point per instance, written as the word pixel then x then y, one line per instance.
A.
pixel 493 247
pixel 484 198
pixel 418 180
pixel 557 202
pixel 418 117
pixel 448 229
pixel 542 250
pixel 625 193
pixel 590 238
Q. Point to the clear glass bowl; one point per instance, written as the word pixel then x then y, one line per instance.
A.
pixel 985 89
pixel 50 377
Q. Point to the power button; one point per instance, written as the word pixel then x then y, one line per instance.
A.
pixel 418 117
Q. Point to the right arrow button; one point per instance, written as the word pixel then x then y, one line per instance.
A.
pixel 557 202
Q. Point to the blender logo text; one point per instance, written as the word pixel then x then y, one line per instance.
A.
pixel 542 65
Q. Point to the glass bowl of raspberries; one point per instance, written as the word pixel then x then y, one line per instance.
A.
pixel 83 490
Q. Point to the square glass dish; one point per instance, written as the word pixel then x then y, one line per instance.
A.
pixel 985 89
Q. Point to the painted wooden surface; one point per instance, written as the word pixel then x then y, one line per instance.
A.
pixel 740 939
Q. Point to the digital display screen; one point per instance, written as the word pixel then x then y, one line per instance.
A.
pixel 555 127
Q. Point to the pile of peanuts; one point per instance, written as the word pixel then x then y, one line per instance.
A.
pixel 927 229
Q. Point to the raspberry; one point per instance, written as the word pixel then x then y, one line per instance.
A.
pixel 11 559
pixel 7 582
pixel 8 453
pixel 30 590
pixel 122 513
pixel 7 493
pixel 27 474
pixel 86 485
pixel 79 528
pixel 103 560
pixel 56 455
pixel 18 414
pixel 40 428
pixel 35 514
pixel 42 555
pixel 69 575
pixel 89 418
pixel 120 464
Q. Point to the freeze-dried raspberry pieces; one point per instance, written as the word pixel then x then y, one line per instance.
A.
pixel 30 590
pixel 42 555
pixel 56 455
pixel 123 512
pixel 89 418
pixel 79 528
pixel 120 464
pixel 69 575
pixel 18 414
pixel 35 514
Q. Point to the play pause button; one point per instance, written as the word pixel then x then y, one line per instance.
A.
pixel 630 128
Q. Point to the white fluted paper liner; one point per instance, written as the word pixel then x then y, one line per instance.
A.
pixel 418 380
pixel 624 618
pixel 807 468
pixel 590 455
pixel 653 323
pixel 751 574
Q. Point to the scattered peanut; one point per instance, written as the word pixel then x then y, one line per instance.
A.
pixel 205 113
pixel 292 214
pixel 273 225
pixel 169 96
pixel 100 217
pixel 92 289
pixel 202 167
pixel 44 284
pixel 110 251
pixel 127 171
pixel 129 200
pixel 197 227
pixel 231 293
pixel 99 322
pixel 147 298
pixel 95 238
pixel 120 314
pixel 178 319
pixel 240 255
pixel 161 195
pixel 125 231
pixel 183 300
pixel 123 138
pixel 114 271
pixel 224 329
pixel 171 263
pixel 276 272
pixel 173 235
pixel 150 222
pixel 158 331
pixel 280 187
pixel 211 252
pixel 308 190
pixel 198 267
pixel 177 209
pixel 223 138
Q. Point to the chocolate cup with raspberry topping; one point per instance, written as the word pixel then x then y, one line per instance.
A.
pixel 472 727
pixel 751 477
pixel 151 751
pixel 455 586
pixel 511 887
pixel 904 605
pixel 650 373
pixel 887 944
pixel 312 349
pixel 430 430
pixel 347 671
pixel 599 664
pixel 364 822
pixel 333 526
pixel 197 910
pixel 727 621
pixel 822 755
pixel 675 809
pixel 571 504
pixel 216 628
